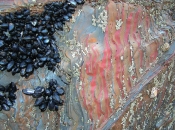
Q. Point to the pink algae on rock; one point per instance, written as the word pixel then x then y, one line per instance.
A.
pixel 114 66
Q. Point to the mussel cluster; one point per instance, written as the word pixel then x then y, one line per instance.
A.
pixel 47 97
pixel 27 41
pixel 7 96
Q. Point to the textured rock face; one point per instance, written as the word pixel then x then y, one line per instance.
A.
pixel 116 69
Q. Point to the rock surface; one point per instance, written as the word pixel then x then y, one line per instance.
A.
pixel 113 70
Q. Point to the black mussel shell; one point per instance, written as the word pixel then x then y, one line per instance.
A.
pixel 28 26
pixel 13 71
pixel 23 64
pixel 23 57
pixel 26 12
pixel 40 64
pixel 10 65
pixel 39 90
pixel 58 60
pixel 12 96
pixel 48 92
pixel 29 68
pixel 11 27
pixel 60 91
pixel 27 75
pixel 22 50
pixel 80 1
pixel 34 52
pixel 23 72
pixel 28 46
pixel 14 47
pixel 39 101
pixel 3 62
pixel 13 87
pixel 28 60
pixel 37 95
pixel 27 38
pixel 69 15
pixel 71 10
pixel 61 102
pixel 28 91
pixel 45 31
pixel 8 102
pixel 47 17
pixel 66 18
pixel 19 16
pixel 2 44
pixel 3 54
pixel 5 107
pixel 1 94
pixel 46 41
pixel 14 55
pixel 3 68
pixel 43 59
pixel 53 62
pixel 72 3
pixel 28 54
pixel 58 26
pixel 56 108
pixel 51 105
pixel 4 25
pixel 35 64
pixel 52 82
pixel 2 88
pixel 34 29
pixel 56 97
pixel 7 88
pixel 17 70
pixel 43 106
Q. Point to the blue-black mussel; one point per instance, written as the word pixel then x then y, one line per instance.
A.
pixel 7 96
pixel 27 41
pixel 47 97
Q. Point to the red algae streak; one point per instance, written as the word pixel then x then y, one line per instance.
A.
pixel 95 68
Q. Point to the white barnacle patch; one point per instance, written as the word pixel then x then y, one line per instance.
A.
pixel 101 21
pixel 121 57
pixel 76 48
pixel 139 26
pixel 125 92
pixel 156 82
pixel 154 92
pixel 97 123
pixel 165 47
pixel 93 20
pixel 131 118
pixel 79 12
pixel 169 75
pixel 71 47
pixel 122 101
pixel 140 70
pixel 131 68
pixel 118 24
pixel 171 65
pixel 159 83
pixel 73 54
pixel 147 92
pixel 111 97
